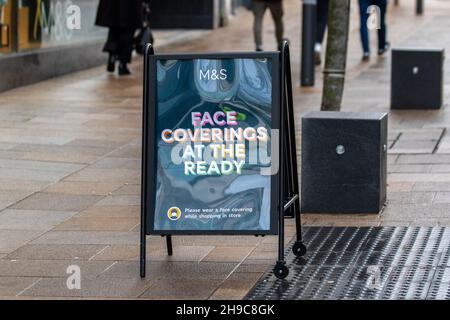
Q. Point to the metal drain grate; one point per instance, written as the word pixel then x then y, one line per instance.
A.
pixel 364 263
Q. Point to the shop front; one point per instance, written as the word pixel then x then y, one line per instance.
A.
pixel 193 14
pixel 48 38
pixel 41 34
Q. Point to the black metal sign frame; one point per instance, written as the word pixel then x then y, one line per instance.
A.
pixel 284 184
pixel 151 156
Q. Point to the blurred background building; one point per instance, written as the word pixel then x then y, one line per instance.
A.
pixel 36 42
pixel 199 14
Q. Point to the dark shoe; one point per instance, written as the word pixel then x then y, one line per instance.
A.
pixel 317 58
pixel 123 69
pixel 259 48
pixel 111 66
pixel 366 57
pixel 386 48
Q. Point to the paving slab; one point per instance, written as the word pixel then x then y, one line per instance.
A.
pixel 60 155
pixel 181 289
pixel 131 212
pixel 39 165
pixel 13 219
pixel 13 286
pixel 32 174
pixel 10 240
pixel 441 168
pixel 129 189
pixel 10 197
pixel 156 253
pixel 237 241
pixel 94 143
pixel 50 268
pixel 55 252
pixel 236 286
pixel 402 187
pixel 228 254
pixel 432 186
pixel 98 224
pixel 7 145
pixel 409 168
pixel 120 200
pixel 421 134
pixel 64 150
pixel 411 197
pixel 442 197
pixel 413 146
pixel 106 175
pixel 88 237
pixel 424 159
pixel 22 185
pixel 128 151
pixel 57 202
pixel 98 287
pixel 82 188
pixel 173 270
pixel 418 177
pixel 444 145
pixel 117 163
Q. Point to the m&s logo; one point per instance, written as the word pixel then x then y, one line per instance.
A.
pixel 213 74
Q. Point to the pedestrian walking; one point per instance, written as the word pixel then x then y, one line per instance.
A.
pixel 365 12
pixel 259 8
pixel 122 17
pixel 322 21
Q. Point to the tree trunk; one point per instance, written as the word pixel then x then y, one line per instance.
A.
pixel 336 55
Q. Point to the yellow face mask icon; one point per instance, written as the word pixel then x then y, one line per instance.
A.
pixel 174 213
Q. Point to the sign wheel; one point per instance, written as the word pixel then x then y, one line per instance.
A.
pixel 280 270
pixel 299 249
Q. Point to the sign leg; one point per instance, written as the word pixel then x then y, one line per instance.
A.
pixel 143 254
pixel 299 248
pixel 169 245
pixel 148 51
pixel 281 270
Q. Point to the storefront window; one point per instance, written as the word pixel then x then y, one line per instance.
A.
pixel 5 26
pixel 47 23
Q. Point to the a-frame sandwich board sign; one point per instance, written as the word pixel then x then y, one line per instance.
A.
pixel 218 147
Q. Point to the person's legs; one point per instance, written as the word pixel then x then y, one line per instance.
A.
pixel 276 9
pixel 125 49
pixel 125 44
pixel 258 7
pixel 112 46
pixel 322 19
pixel 382 43
pixel 364 32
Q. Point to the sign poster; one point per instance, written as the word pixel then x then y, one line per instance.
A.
pixel 213 132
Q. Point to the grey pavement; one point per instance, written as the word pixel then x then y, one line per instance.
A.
pixel 70 172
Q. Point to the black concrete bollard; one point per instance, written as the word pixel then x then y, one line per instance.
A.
pixel 417 78
pixel 344 156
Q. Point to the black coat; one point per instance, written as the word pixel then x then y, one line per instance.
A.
pixel 119 13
